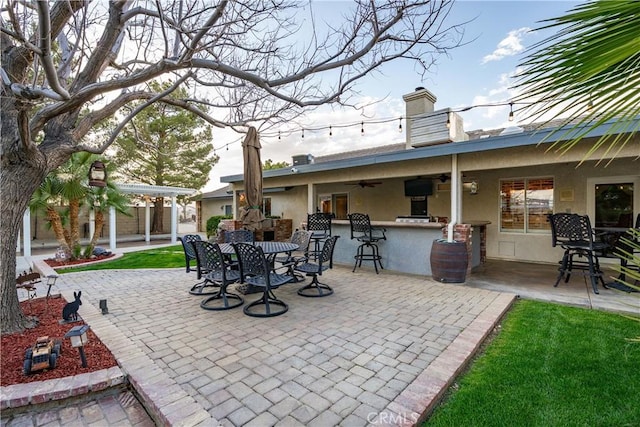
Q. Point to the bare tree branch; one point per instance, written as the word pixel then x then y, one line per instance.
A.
pixel 45 50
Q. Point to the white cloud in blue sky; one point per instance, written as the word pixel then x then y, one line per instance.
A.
pixel 509 46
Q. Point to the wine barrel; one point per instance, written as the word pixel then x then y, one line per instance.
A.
pixel 449 261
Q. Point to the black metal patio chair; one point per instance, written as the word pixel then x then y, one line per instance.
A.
pixel 204 267
pixel 368 236
pixel 234 236
pixel 255 270
pixel 189 252
pixel 210 256
pixel 324 262
pixel 574 234
pixel 302 238
pixel 625 249
pixel 319 224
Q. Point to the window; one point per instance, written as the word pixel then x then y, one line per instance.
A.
pixel 336 204
pixel 228 210
pixel 525 204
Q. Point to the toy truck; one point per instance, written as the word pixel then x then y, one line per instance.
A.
pixel 42 355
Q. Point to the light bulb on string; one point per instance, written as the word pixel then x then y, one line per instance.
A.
pixel 279 136
pixel 511 112
pixel 448 119
pixel 302 133
pixel 330 131
pixel 361 128
pixel 400 124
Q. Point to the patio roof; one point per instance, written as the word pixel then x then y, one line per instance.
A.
pixel 525 138
pixel 155 190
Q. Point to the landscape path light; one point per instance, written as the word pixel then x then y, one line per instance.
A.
pixel 78 337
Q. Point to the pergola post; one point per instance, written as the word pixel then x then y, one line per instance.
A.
pixel 112 229
pixel 174 220
pixel 26 233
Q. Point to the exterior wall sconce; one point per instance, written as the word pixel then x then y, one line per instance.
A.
pixel 473 189
pixel 78 337
pixel 97 174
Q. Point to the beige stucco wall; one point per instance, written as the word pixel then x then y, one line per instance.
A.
pixel 387 201
pixel 125 225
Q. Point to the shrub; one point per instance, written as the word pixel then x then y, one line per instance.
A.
pixel 212 224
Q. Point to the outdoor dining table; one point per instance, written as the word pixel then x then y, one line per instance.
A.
pixel 270 249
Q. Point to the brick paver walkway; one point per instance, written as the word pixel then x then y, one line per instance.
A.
pixel 381 350
pixel 114 408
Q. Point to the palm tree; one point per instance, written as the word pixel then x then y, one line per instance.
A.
pixel 68 185
pixel 588 73
pixel 101 199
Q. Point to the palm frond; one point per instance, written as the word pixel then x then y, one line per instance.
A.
pixel 588 73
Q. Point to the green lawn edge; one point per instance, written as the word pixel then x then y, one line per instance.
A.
pixel 551 365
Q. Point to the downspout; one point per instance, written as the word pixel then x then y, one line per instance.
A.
pixel 455 197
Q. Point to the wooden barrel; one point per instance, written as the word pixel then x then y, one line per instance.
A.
pixel 449 261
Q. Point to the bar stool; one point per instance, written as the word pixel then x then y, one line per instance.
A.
pixel 319 224
pixel 368 236
pixel 573 233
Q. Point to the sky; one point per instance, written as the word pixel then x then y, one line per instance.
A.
pixel 480 72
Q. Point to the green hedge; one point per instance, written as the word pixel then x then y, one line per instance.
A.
pixel 212 224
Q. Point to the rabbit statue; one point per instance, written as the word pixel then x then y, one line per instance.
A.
pixel 70 310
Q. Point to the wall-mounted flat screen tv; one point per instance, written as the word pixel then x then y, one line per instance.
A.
pixel 418 187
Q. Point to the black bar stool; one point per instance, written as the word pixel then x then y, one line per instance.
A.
pixel 362 231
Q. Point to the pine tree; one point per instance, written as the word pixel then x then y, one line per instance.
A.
pixel 165 145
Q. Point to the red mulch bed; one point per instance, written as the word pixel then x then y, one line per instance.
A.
pixel 49 311
pixel 53 263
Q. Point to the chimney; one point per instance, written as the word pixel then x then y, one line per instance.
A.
pixel 425 126
pixel 419 102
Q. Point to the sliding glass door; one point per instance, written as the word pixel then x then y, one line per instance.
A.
pixel 613 201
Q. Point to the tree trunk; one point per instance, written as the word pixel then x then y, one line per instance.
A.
pixel 74 227
pixel 20 175
pixel 58 230
pixel 99 224
pixel 158 213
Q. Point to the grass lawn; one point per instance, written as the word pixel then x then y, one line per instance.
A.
pixel 166 257
pixel 551 365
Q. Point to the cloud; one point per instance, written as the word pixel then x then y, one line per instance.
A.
pixel 346 136
pixel 509 46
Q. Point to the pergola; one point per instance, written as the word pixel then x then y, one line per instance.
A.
pixel 146 191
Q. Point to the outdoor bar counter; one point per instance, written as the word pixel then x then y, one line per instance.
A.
pixel 408 245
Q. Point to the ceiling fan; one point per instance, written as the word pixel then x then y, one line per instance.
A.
pixel 363 183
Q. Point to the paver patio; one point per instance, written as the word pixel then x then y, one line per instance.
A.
pixel 381 350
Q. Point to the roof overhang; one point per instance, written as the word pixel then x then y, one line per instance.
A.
pixel 547 136
pixel 155 190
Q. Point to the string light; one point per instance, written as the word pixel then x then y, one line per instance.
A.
pixel 381 121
